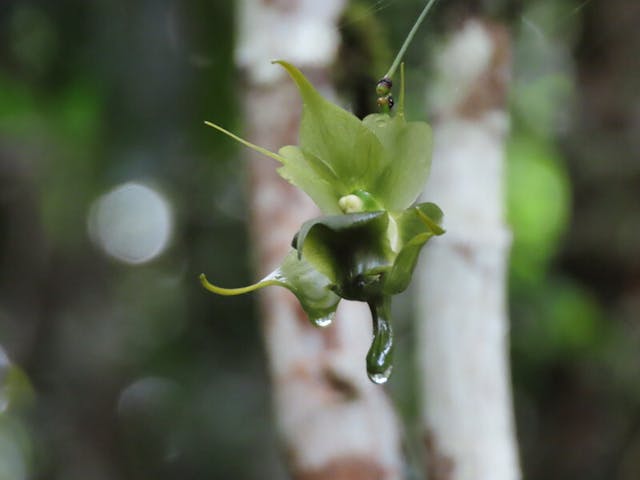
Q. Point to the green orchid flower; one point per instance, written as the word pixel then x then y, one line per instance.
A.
pixel 364 175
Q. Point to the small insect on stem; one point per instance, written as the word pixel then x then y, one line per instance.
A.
pixel 383 87
pixel 385 99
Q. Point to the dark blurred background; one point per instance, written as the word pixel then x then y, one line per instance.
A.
pixel 114 196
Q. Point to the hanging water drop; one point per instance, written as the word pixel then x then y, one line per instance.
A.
pixel 322 321
pixel 380 355
pixel 380 378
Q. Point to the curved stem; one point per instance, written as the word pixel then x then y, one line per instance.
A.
pixel 246 143
pixel 236 291
pixel 412 33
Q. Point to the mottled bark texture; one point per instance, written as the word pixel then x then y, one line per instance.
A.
pixel 463 327
pixel 333 422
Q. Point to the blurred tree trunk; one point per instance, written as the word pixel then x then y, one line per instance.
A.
pixel 333 422
pixel 463 332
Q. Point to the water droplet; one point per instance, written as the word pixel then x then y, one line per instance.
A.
pixel 380 377
pixel 380 355
pixel 323 321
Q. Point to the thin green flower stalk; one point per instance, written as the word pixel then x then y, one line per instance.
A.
pixel 365 176
pixel 409 39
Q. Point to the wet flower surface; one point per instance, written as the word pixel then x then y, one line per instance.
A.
pixel 365 176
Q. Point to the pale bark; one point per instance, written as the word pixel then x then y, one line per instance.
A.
pixel 333 422
pixel 463 324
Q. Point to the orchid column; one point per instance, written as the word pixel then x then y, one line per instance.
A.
pixel 334 423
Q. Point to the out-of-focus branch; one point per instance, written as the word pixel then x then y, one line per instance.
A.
pixel 463 328
pixel 334 423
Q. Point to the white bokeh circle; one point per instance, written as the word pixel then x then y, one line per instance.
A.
pixel 132 223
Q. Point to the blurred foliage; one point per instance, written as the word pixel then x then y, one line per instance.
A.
pixel 538 202
pixel 120 371
pixel 16 399
pixel 574 351
pixel 134 370
pixel 364 56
